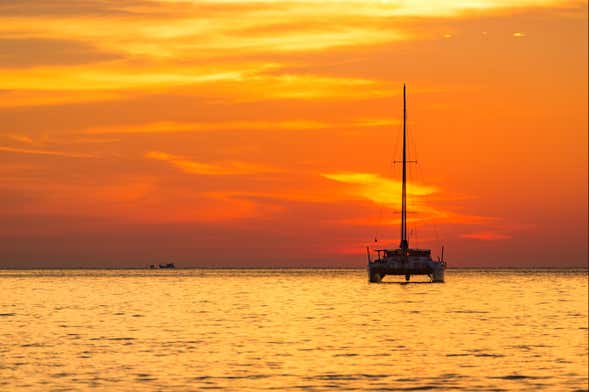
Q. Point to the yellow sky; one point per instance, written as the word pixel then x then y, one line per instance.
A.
pixel 238 133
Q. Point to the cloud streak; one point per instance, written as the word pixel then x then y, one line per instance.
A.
pixel 45 152
pixel 233 168
pixel 285 125
pixel 378 189
pixel 174 127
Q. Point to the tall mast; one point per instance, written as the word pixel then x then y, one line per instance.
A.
pixel 404 244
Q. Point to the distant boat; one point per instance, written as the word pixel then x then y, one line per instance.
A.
pixel 164 265
pixel 404 260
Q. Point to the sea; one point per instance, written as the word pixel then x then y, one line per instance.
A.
pixel 292 330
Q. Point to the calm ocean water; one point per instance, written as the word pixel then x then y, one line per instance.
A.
pixel 303 330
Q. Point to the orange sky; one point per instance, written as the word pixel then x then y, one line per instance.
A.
pixel 237 133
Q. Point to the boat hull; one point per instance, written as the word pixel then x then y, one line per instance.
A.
pixel 380 268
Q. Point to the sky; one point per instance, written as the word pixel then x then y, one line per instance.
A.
pixel 233 133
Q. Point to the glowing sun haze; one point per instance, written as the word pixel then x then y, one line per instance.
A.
pixel 238 133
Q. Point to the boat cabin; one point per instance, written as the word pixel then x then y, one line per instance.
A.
pixel 399 252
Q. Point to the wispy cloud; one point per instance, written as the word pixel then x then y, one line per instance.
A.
pixel 39 97
pixel 283 125
pixel 45 152
pixel 387 192
pixel 212 169
pixel 378 189
pixel 173 127
pixel 21 138
pixel 109 77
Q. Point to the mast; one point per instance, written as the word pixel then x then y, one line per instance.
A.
pixel 404 244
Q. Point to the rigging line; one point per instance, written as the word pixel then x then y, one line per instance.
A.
pixel 419 172
pixel 412 157
pixel 389 174
pixel 434 218
pixel 420 176
pixel 422 179
pixel 412 171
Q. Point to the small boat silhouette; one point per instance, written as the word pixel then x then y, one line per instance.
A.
pixel 162 265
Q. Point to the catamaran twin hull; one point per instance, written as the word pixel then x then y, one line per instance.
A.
pixel 378 269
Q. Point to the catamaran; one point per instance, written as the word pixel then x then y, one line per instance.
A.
pixel 405 260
